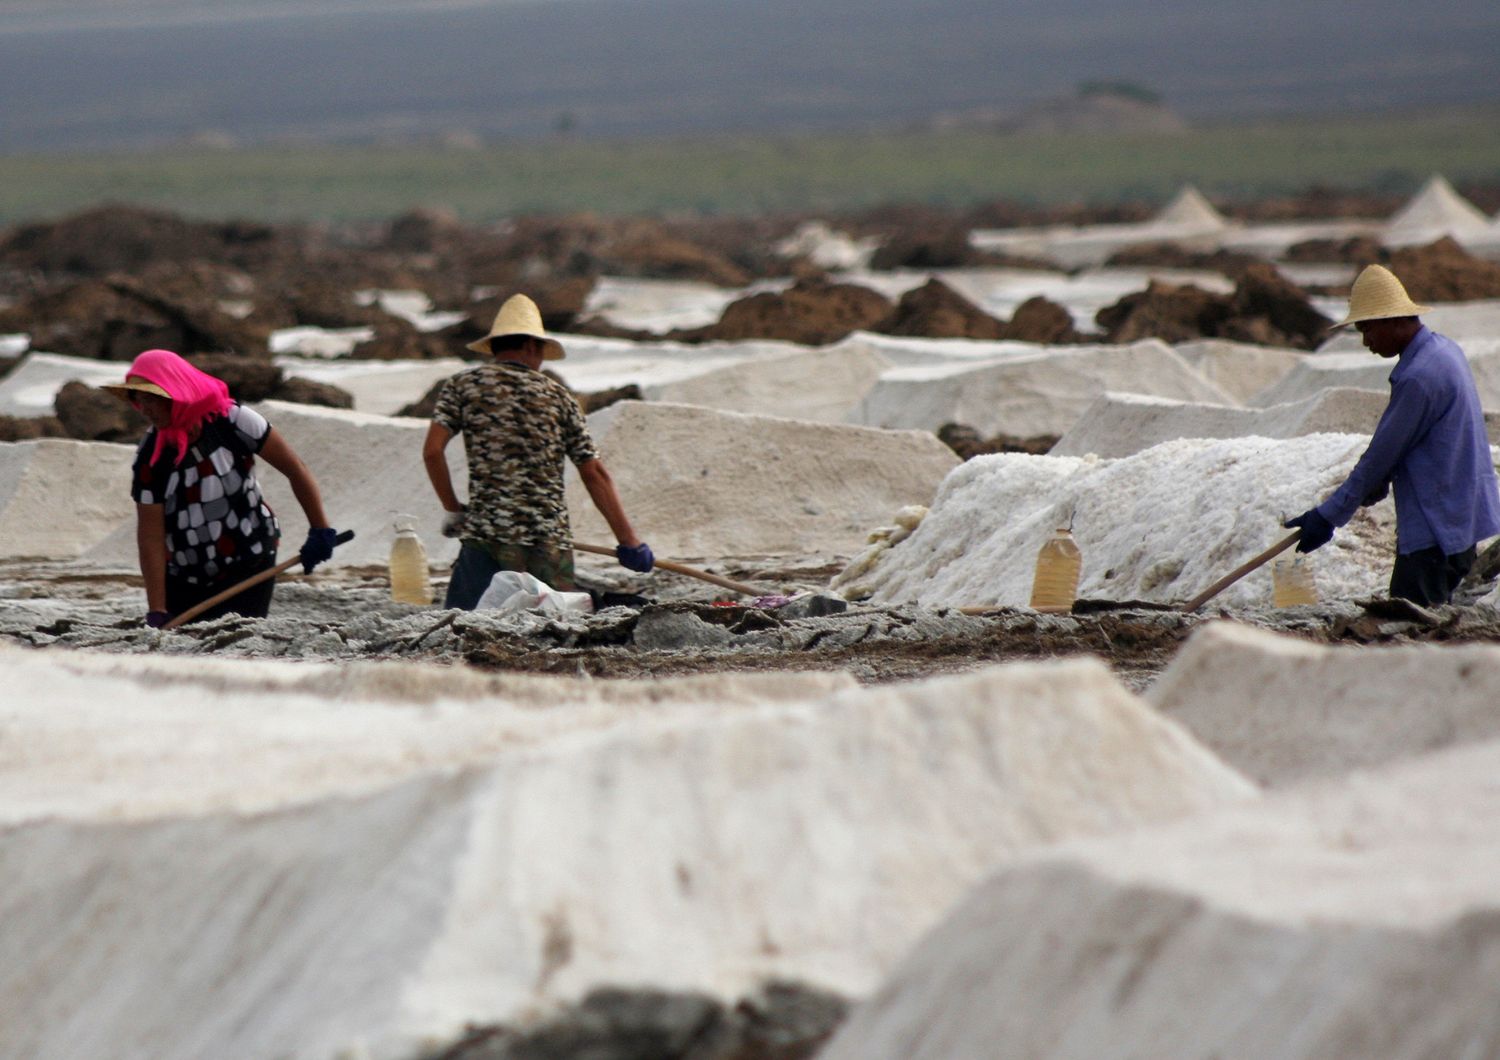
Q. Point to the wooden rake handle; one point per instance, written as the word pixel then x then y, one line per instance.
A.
pixel 1239 572
pixel 680 568
pixel 254 579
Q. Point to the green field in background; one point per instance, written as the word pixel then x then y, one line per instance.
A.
pixel 746 175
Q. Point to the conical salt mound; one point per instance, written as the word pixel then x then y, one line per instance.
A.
pixel 1190 209
pixel 1435 211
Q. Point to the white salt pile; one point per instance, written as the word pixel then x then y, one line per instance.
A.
pixel 1344 919
pixel 222 868
pixel 1437 210
pixel 1122 424
pixel 1364 371
pixel 60 499
pixel 1283 710
pixel 380 387
pixel 1043 393
pixel 699 482
pixel 1160 526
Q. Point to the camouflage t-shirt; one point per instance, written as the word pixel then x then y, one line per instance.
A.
pixel 518 425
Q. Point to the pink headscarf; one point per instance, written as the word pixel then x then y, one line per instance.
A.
pixel 196 396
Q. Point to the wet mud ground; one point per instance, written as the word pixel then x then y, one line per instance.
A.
pixel 686 627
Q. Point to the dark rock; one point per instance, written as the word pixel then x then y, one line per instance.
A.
pixel 946 248
pixel 1171 255
pixel 310 392
pixel 813 605
pixel 91 414
pixel 936 310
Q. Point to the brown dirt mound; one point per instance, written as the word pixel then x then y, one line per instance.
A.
pixel 30 428
pixel 968 442
pixel 116 318
pixel 1353 251
pixel 814 314
pixel 936 310
pixel 1040 320
pixel 311 392
pixel 1265 308
pixel 1445 272
pixel 1174 256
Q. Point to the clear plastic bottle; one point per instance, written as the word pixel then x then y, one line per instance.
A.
pixel 1055 585
pixel 411 581
pixel 1292 581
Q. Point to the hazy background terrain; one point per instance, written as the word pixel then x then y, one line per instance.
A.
pixel 77 74
pixel 363 108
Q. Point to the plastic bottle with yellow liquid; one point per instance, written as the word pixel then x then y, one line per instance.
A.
pixel 1054 587
pixel 1292 581
pixel 411 581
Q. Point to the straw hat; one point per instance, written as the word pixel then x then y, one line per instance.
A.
pixel 1378 295
pixel 137 384
pixel 520 316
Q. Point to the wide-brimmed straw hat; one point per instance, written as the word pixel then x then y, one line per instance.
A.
pixel 520 316
pixel 138 385
pixel 1378 295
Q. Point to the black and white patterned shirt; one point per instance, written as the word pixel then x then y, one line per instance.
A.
pixel 217 521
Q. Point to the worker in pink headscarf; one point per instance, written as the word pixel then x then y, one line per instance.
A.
pixel 201 522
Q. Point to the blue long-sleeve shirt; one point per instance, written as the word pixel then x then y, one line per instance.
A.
pixel 1432 447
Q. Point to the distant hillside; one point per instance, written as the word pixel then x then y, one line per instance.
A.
pixel 258 70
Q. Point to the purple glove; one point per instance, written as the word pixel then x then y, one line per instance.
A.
pixel 157 619
pixel 635 557
pixel 318 547
pixel 1316 531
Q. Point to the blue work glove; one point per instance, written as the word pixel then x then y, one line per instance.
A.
pixel 1376 495
pixel 1316 531
pixel 635 557
pixel 318 547
pixel 157 619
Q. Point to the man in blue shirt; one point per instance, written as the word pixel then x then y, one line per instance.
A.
pixel 1430 444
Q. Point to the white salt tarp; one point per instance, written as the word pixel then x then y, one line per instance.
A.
pixel 1240 369
pixel 1159 526
pixel 1122 424
pixel 221 872
pixel 1367 372
pixel 1351 918
pixel 817 385
pixel 700 482
pixel 1283 710
pixel 30 388
pixel 1043 393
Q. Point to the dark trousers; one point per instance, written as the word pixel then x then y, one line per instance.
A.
pixel 1429 577
pixel 479 561
pixel 254 602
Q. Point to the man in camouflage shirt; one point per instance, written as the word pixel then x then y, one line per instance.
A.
pixel 518 426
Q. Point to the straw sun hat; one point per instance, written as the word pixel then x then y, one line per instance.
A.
pixel 138 385
pixel 520 316
pixel 1378 295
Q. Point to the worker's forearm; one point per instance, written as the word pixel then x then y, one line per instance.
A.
pixel 305 489
pixel 152 550
pixel 442 481
pixel 602 492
